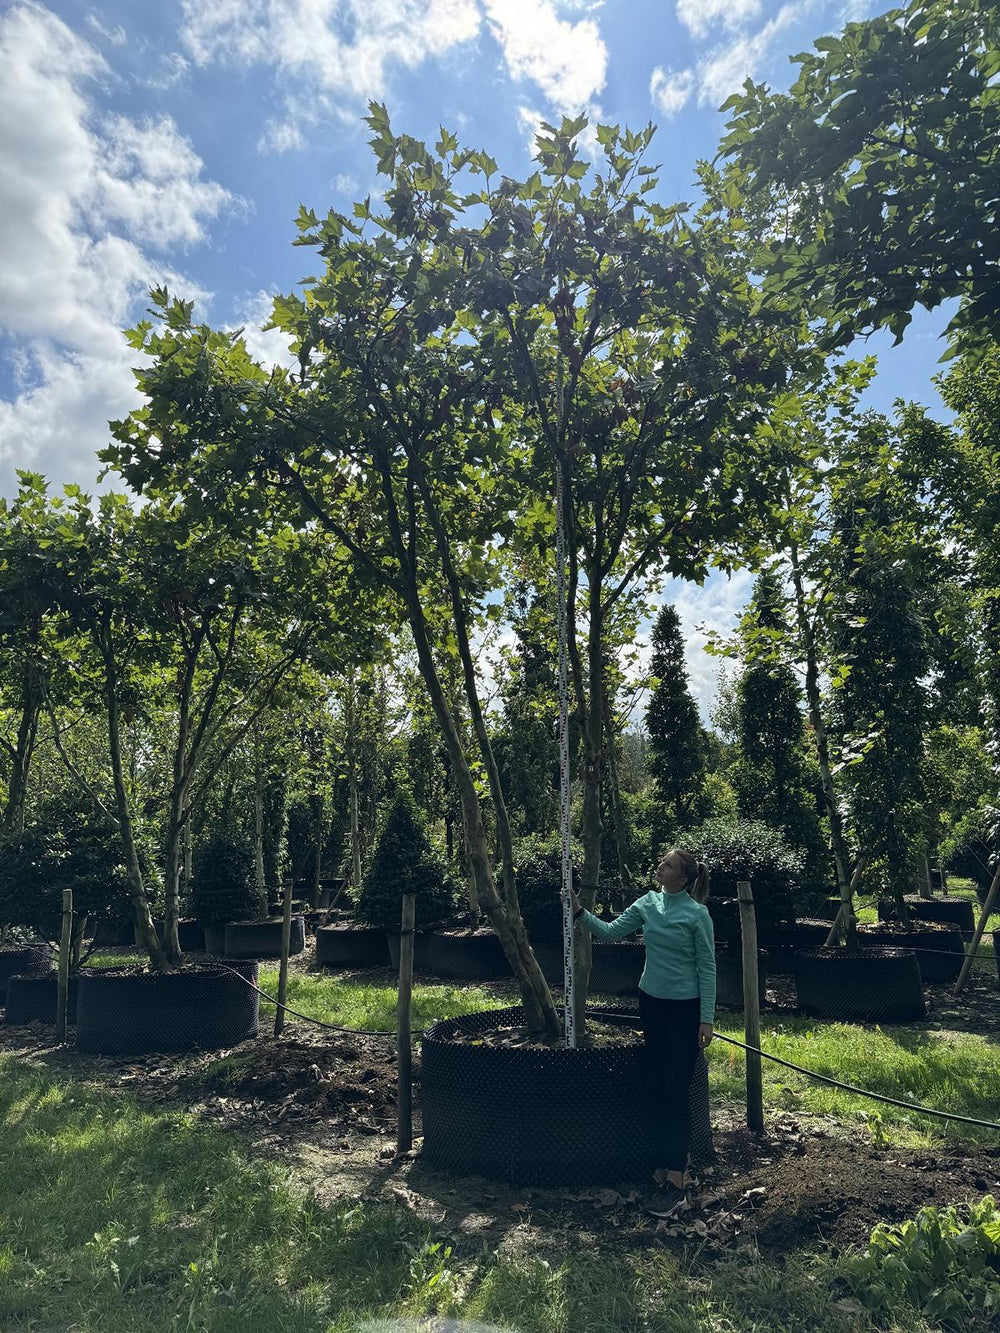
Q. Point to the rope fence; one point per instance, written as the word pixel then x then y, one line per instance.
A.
pixel 732 1041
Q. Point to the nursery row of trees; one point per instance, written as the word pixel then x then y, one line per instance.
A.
pixel 304 528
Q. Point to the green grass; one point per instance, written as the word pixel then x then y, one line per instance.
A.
pixel 949 1071
pixel 359 1004
pixel 114 1218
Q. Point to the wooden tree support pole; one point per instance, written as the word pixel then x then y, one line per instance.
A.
pixel 404 1050
pixel 286 948
pixel 984 916
pixel 751 1007
pixel 65 949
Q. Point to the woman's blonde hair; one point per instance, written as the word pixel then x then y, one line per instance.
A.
pixel 697 874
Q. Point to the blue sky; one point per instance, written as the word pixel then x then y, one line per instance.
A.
pixel 174 141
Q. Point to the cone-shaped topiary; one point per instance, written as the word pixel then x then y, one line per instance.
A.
pixel 405 862
pixel 224 882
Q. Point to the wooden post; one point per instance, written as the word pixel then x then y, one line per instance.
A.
pixel 751 1007
pixel 404 1050
pixel 984 916
pixel 65 949
pixel 286 945
pixel 926 885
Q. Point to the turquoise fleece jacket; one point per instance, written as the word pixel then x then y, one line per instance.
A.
pixel 680 946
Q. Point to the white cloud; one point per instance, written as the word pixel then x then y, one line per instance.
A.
pixel 725 70
pixel 671 89
pixel 345 184
pixel 700 16
pixel 116 36
pixel 567 61
pixel 78 201
pixel 715 605
pixel 344 47
pixel 281 136
pixel 270 348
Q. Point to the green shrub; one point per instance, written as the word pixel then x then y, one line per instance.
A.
pixel 405 861
pixel 970 847
pixel 736 849
pixel 64 845
pixel 538 874
pixel 225 884
pixel 946 1263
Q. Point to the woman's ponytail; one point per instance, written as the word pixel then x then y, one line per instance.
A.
pixel 700 889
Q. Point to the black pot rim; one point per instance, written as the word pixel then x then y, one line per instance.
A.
pixel 875 953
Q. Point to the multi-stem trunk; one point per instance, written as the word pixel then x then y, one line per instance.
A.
pixel 316 801
pixel 145 931
pixel 32 698
pixel 838 840
pixel 352 785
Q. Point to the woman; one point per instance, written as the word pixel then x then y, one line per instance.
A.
pixel 676 996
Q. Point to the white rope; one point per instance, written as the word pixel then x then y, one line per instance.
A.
pixel 562 635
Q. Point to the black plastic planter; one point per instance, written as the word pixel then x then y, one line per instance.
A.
pixel 467 955
pixel 725 914
pixel 137 1013
pixel 729 976
pixel 190 936
pixel 955 911
pixel 20 960
pixel 33 1000
pixel 215 940
pixel 262 939
pixel 422 949
pixel 876 985
pixel 782 941
pixel 547 1117
pixel 939 949
pixel 351 946
pixel 109 934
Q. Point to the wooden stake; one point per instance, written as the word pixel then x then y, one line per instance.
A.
pixel 984 916
pixel 404 1126
pixel 286 946
pixel 65 948
pixel 751 1007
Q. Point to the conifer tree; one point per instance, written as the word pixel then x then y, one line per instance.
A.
pixel 676 735
pixel 772 775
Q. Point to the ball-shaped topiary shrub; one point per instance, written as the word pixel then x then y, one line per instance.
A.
pixel 737 849
pixel 404 861
pixel 65 844
pixel 224 881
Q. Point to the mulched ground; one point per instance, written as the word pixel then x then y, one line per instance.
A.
pixel 325 1104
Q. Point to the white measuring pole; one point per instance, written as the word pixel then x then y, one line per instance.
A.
pixel 562 633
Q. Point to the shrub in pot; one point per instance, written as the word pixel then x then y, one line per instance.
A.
pixel 405 861
pixel 224 886
pixel 748 849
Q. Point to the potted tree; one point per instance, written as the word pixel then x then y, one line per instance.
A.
pixel 405 861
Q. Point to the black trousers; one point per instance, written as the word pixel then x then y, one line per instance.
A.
pixel 670 1028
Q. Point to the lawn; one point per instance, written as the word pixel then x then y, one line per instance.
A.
pixel 116 1218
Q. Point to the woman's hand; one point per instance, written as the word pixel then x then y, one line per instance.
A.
pixel 705 1034
pixel 574 902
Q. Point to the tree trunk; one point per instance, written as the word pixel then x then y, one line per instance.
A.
pixel 317 861
pixel 926 887
pixel 352 787
pixel 592 825
pixel 541 1015
pixel 838 840
pixel 258 826
pixel 140 906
